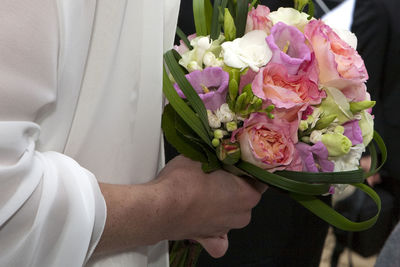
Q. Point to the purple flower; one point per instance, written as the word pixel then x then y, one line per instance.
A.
pixel 353 131
pixel 315 158
pixel 288 47
pixel 211 84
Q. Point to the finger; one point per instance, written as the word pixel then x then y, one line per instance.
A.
pixel 215 246
pixel 257 185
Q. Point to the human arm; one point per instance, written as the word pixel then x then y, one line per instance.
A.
pixel 47 201
pixel 183 203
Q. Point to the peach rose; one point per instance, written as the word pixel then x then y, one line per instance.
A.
pixel 269 143
pixel 274 84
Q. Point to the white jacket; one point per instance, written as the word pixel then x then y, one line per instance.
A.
pixel 80 99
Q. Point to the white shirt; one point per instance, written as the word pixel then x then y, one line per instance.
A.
pixel 80 99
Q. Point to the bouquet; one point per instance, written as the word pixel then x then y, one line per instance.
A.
pixel 277 96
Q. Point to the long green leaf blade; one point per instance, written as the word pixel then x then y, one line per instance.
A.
pixel 184 38
pixel 241 17
pixel 282 182
pixel 208 8
pixel 329 215
pixel 347 177
pixel 184 111
pixel 182 145
pixel 200 20
pixel 187 89
pixel 215 23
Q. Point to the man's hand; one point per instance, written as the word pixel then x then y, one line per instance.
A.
pixel 214 203
pixel 182 203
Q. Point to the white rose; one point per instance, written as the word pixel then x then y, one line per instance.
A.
pixel 251 51
pixel 289 16
pixel 350 161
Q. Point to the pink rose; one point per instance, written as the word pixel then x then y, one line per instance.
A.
pixel 257 19
pixel 340 65
pixel 268 143
pixel 274 84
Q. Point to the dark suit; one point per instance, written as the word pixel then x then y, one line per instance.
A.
pixel 376 24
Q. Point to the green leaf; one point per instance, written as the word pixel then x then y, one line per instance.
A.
pixel 216 22
pixel 332 217
pixel 183 145
pixel 374 158
pixel 311 9
pixel 201 17
pixel 282 182
pixel 186 113
pixel 242 9
pixel 348 177
pixel 213 163
pixel 184 38
pixel 187 89
pixel 208 15
pixel 229 26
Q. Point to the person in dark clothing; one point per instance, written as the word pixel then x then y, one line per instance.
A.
pixel 377 28
pixel 282 232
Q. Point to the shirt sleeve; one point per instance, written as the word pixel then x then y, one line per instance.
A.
pixel 52 212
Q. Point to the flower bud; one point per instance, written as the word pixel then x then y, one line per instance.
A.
pixel 229 26
pixel 303 126
pixel 356 107
pixel 339 129
pixel 325 121
pixel 219 134
pixel 337 144
pixel 233 89
pixel 306 139
pixel 231 126
pixel 215 142
pixel 241 102
pixel 228 153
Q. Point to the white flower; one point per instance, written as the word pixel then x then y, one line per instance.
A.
pixel 203 47
pixel 192 66
pixel 224 114
pixel 367 127
pixel 289 16
pixel 210 60
pixel 350 161
pixel 251 51
pixel 213 120
pixel 316 136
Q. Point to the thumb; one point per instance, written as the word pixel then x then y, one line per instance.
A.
pixel 215 246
